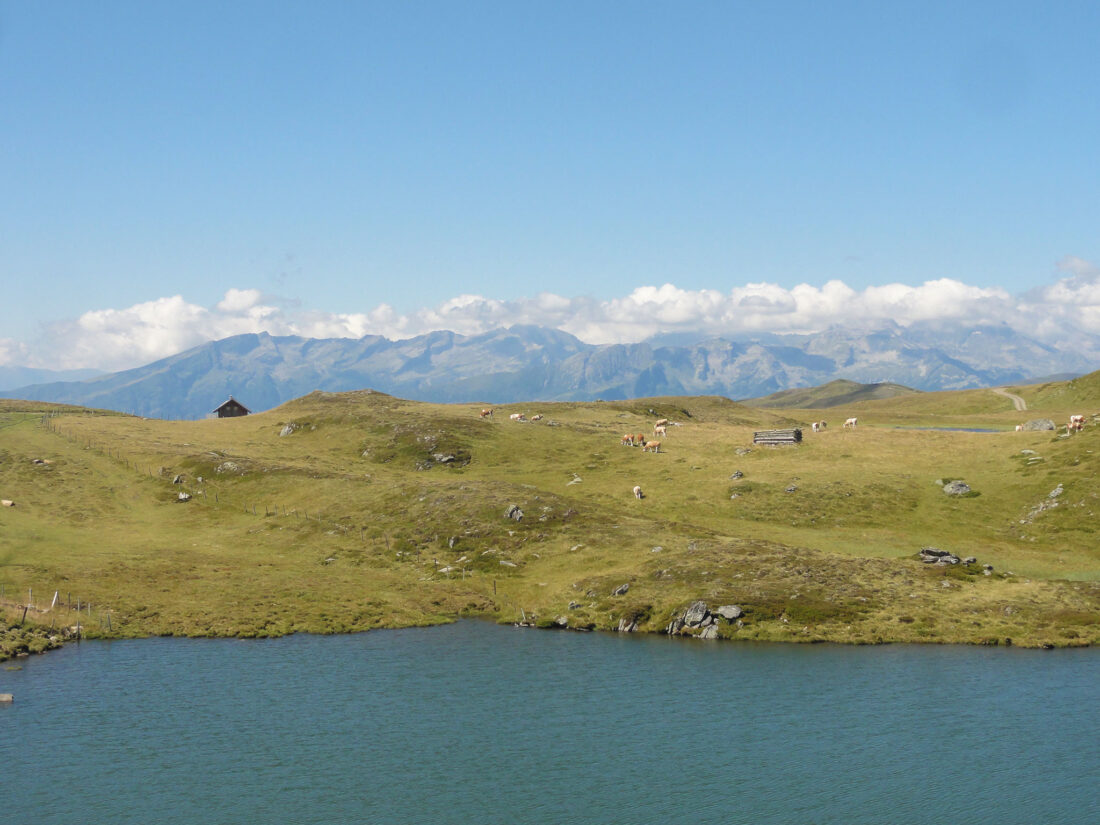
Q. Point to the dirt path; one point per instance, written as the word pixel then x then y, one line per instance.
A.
pixel 1018 402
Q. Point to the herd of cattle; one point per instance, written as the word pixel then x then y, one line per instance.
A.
pixel 660 428
pixel 1076 424
pixel 640 440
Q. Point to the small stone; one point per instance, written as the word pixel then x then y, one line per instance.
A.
pixel 730 612
pixel 709 632
pixel 737 475
pixel 513 512
pixel 184 497
pixel 970 560
pixel 621 589
pixel 956 488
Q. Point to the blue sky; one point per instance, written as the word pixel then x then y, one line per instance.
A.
pixel 377 160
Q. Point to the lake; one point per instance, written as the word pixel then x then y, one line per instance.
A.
pixel 476 723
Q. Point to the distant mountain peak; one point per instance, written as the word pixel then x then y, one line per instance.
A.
pixel 529 363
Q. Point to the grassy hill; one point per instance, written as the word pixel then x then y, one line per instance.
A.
pixel 351 511
pixel 834 394
pixel 1081 394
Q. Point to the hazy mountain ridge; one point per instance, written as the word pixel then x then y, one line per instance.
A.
pixel 12 377
pixel 533 363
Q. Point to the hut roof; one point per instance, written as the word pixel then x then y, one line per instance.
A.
pixel 231 402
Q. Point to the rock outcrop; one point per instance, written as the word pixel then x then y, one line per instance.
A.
pixel 934 555
pixel 698 620
pixel 1039 424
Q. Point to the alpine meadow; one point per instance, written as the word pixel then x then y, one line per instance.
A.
pixel 341 512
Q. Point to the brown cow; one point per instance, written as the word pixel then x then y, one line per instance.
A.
pixel 651 446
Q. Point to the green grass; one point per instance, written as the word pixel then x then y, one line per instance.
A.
pixel 834 394
pixel 354 521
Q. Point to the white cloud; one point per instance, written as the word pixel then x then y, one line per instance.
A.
pixel 120 338
pixel 12 352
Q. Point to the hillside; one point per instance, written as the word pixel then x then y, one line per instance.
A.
pixel 834 394
pixel 340 512
pixel 1082 393
pixel 527 362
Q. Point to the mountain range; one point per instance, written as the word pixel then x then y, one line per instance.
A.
pixel 527 363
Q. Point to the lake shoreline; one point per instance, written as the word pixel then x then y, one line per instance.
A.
pixel 32 639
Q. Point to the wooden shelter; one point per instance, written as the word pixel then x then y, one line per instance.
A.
pixel 792 436
pixel 231 409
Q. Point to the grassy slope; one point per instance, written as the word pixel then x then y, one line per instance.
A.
pixel 349 534
pixel 834 394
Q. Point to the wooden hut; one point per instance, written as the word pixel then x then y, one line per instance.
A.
pixel 230 409
pixel 774 437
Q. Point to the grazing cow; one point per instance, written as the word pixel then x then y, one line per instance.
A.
pixel 1076 423
pixel 639 440
pixel 816 426
pixel 851 423
pixel 660 430
pixel 627 440
pixel 517 417
pixel 537 417
pixel 651 447
pixel 1019 428
pixel 487 412
pixel 638 492
pixel 822 424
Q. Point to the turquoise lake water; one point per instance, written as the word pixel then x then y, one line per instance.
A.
pixel 475 723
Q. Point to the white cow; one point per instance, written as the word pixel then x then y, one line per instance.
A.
pixel 517 417
pixel 638 492
pixel 851 423
pixel 1076 423
pixel 660 429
